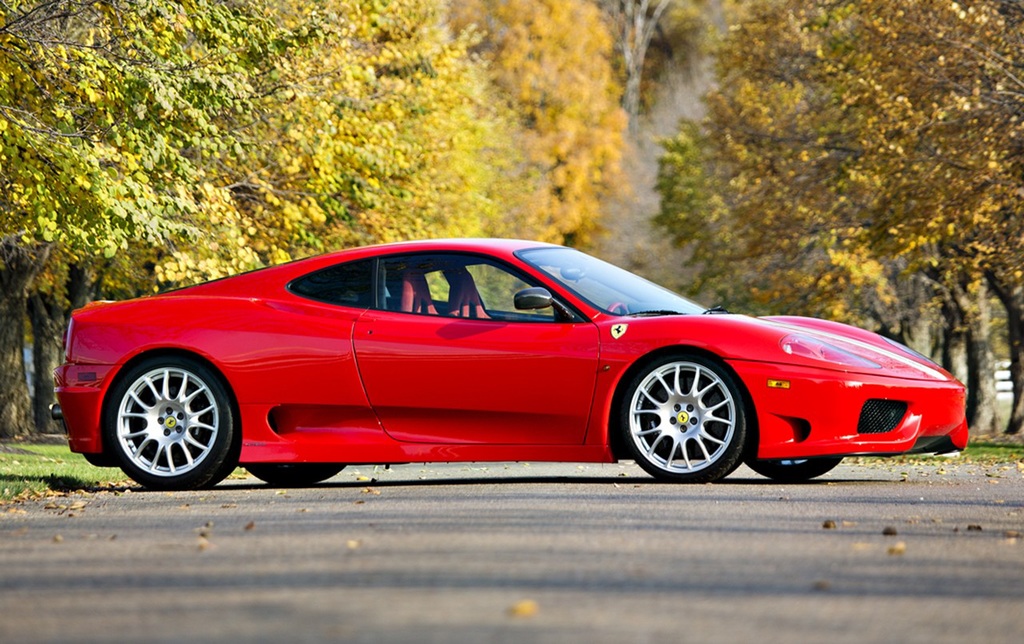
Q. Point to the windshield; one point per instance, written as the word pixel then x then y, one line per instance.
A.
pixel 604 286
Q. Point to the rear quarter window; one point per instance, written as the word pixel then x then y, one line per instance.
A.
pixel 349 284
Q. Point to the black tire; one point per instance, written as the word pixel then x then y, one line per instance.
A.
pixel 169 422
pixel 293 474
pixel 795 470
pixel 683 419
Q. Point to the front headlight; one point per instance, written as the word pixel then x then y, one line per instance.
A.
pixel 808 347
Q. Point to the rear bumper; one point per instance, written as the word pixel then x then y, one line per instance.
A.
pixel 80 390
pixel 820 411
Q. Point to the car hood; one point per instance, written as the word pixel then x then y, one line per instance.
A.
pixel 740 337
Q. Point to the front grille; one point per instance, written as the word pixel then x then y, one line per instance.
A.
pixel 880 416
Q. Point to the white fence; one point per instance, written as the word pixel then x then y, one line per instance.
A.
pixel 1004 388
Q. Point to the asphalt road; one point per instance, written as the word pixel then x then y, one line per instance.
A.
pixel 527 553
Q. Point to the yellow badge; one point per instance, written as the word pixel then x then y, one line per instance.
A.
pixel 171 422
pixel 619 330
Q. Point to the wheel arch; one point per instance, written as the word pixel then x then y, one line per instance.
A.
pixel 617 444
pixel 173 352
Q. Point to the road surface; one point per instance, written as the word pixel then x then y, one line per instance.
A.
pixel 527 553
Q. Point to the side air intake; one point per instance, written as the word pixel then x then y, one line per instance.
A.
pixel 880 416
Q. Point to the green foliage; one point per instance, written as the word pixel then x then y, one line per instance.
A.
pixel 846 136
pixel 109 110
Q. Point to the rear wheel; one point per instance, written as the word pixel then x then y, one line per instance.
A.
pixel 794 470
pixel 169 422
pixel 293 474
pixel 683 420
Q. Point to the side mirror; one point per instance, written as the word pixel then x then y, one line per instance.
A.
pixel 530 299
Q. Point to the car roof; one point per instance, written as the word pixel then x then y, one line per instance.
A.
pixel 264 279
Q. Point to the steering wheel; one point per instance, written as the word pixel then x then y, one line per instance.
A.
pixel 618 308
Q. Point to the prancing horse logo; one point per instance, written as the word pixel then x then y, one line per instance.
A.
pixel 619 330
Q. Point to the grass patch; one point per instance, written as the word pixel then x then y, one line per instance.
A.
pixel 30 471
pixel 993 453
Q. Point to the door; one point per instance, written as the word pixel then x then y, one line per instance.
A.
pixel 448 359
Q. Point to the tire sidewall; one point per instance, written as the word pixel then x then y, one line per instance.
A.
pixel 726 462
pixel 214 466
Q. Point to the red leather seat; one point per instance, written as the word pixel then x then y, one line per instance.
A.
pixel 463 298
pixel 415 293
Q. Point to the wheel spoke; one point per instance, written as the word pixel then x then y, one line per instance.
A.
pixel 651 398
pixel 166 395
pixel 183 387
pixel 661 381
pixel 703 448
pixel 700 394
pixel 686 455
pixel 696 383
pixel 709 437
pixel 138 401
pixel 192 440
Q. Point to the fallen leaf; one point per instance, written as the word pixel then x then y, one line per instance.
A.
pixel 889 531
pixel 524 608
pixel 353 544
pixel 370 490
pixel 829 525
pixel 898 548
pixel 974 527
pixel 250 525
pixel 58 539
pixel 822 584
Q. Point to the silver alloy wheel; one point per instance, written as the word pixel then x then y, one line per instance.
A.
pixel 168 421
pixel 682 417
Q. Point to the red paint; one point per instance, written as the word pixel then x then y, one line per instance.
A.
pixel 360 385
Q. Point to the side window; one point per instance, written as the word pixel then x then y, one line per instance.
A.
pixel 348 284
pixel 455 286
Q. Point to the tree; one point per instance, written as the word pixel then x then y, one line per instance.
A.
pixel 562 88
pixel 856 135
pixel 107 112
pixel 382 127
pixel 635 24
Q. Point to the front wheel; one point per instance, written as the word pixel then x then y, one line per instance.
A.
pixel 683 420
pixel 794 470
pixel 170 424
pixel 293 474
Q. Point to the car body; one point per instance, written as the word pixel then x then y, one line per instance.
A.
pixel 480 350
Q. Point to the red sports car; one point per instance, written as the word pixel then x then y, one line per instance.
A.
pixel 480 350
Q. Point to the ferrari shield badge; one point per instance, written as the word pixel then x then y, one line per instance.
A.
pixel 619 330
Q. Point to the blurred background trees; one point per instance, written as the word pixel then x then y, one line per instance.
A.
pixel 860 161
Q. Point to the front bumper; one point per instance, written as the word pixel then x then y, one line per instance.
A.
pixel 819 412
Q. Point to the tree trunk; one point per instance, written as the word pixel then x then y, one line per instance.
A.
pixel 49 317
pixel 981 378
pixel 46 317
pixel 1012 298
pixel 19 264
pixel 954 346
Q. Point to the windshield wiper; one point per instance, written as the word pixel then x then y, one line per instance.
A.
pixel 655 313
pixel 715 309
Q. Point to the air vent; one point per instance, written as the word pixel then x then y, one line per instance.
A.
pixel 880 416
